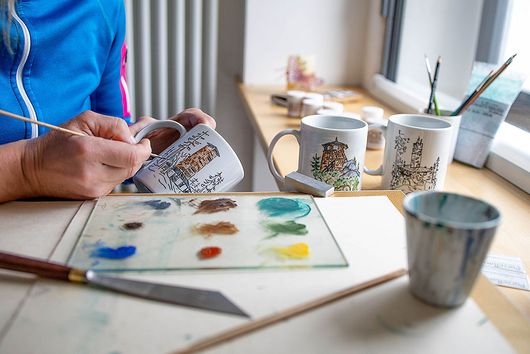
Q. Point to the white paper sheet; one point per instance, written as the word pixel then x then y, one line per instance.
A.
pixel 506 271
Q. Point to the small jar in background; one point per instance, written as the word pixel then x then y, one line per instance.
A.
pixel 333 106
pixel 326 112
pixel 310 106
pixel 374 116
pixel 315 96
pixel 294 103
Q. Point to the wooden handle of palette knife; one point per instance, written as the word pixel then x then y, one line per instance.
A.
pixel 35 266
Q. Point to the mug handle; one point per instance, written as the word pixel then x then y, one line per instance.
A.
pixel 378 171
pixel 157 125
pixel 272 168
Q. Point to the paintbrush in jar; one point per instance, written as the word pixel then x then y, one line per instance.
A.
pixel 488 80
pixel 47 125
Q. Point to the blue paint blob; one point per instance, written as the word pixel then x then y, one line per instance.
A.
pixel 113 253
pixel 158 204
pixel 278 206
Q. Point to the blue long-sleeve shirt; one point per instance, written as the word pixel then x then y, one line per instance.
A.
pixel 67 57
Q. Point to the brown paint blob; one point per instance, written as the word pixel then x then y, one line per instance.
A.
pixel 221 228
pixel 215 205
pixel 132 225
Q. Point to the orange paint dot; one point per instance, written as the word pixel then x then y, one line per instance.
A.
pixel 209 252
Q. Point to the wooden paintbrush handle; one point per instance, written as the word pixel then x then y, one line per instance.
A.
pixel 40 268
pixel 287 314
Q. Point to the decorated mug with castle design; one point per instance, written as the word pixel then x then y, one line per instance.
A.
pixel 200 161
pixel 416 153
pixel 332 150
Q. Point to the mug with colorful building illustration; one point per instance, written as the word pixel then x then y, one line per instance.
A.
pixel 332 150
pixel 416 153
pixel 200 161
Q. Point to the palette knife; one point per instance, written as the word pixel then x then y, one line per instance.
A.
pixel 190 297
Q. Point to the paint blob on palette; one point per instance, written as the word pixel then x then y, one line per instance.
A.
pixel 148 232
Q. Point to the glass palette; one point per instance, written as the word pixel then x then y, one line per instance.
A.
pixel 150 232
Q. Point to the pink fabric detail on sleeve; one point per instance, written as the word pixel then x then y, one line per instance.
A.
pixel 123 82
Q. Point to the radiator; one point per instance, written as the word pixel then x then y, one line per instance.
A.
pixel 172 56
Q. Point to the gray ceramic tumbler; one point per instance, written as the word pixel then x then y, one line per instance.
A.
pixel 448 237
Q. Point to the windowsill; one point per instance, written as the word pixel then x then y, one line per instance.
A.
pixel 512 236
pixel 507 157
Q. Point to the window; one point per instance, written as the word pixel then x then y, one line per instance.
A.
pixel 460 32
pixel 516 41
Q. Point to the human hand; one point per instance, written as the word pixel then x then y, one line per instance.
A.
pixel 82 167
pixel 162 138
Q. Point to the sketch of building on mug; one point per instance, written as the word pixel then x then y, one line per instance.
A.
pixel 178 169
pixel 334 167
pixel 412 176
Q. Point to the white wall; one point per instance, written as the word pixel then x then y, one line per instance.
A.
pixel 427 30
pixel 255 39
pixel 232 122
pixel 334 31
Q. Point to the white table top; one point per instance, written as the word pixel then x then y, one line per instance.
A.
pixel 52 317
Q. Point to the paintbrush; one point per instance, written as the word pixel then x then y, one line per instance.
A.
pixel 488 80
pixel 429 74
pixel 477 89
pixel 434 83
pixel 50 126
pixel 289 313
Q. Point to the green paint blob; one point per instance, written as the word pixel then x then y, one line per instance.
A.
pixel 288 228
pixel 278 206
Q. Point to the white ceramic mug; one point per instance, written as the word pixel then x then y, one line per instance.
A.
pixel 200 161
pixel 455 124
pixel 332 150
pixel 416 153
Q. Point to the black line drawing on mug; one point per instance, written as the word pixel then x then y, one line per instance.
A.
pixel 179 167
pixel 334 168
pixel 412 176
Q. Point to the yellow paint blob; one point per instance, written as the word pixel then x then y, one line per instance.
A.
pixel 295 251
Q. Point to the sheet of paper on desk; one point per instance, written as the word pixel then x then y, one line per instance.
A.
pixel 506 271
pixel 357 219
pixel 161 232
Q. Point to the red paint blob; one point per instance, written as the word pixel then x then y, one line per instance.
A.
pixel 209 252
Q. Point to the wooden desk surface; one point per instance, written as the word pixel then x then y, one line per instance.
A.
pixel 513 236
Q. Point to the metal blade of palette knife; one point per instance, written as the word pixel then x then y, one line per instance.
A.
pixel 197 298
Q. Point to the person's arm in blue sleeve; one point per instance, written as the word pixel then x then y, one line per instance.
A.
pixel 111 97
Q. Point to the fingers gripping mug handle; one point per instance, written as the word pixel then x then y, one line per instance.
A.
pixel 378 171
pixel 272 168
pixel 157 125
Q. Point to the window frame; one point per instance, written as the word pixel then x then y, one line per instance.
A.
pixel 507 157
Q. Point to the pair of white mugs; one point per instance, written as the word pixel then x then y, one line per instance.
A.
pixel 332 150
